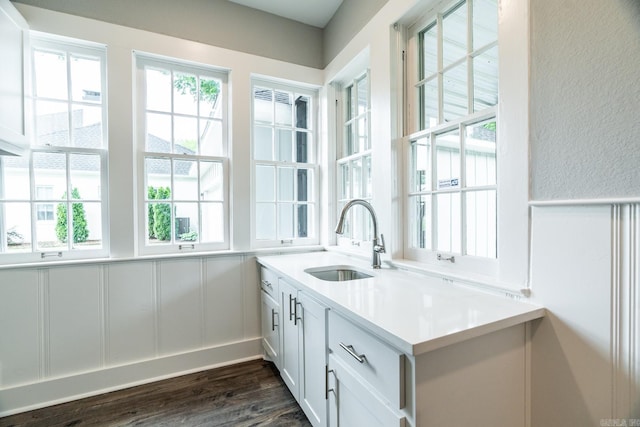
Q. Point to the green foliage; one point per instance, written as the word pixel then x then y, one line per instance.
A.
pixel 490 126
pixel 191 236
pixel 159 214
pixel 80 231
pixel 209 89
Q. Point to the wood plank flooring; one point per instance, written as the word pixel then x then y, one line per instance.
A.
pixel 246 394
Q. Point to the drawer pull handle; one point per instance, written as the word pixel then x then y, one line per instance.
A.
pixel 349 349
pixel 291 302
pixel 327 371
pixel 267 284
pixel 273 319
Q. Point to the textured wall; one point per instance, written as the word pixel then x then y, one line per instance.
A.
pixel 585 99
pixel 214 22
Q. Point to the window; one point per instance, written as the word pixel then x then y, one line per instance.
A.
pixel 50 199
pixel 452 147
pixel 284 165
pixel 182 133
pixel 354 162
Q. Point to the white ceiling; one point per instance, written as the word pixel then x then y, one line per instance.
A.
pixel 311 12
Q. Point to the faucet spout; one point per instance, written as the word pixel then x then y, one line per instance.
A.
pixel 378 245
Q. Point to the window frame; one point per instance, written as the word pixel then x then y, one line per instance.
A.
pixel 312 129
pixel 141 61
pixel 417 129
pixel 71 47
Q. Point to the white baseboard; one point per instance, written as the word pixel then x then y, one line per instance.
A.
pixel 64 389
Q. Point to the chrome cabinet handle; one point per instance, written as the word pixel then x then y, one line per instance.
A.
pixel 273 321
pixel 267 284
pixel 295 312
pixel 291 300
pixel 349 349
pixel 327 371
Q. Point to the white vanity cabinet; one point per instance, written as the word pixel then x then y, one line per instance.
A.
pixel 304 351
pixel 271 315
pixel 14 72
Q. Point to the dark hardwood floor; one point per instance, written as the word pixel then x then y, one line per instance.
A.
pixel 246 394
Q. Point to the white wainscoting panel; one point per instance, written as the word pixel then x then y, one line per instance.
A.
pixel 131 322
pixel 75 319
pixel 20 327
pixel 585 358
pixel 223 288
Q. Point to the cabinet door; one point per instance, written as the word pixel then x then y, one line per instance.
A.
pixel 271 328
pixel 14 45
pixel 313 359
pixel 351 402
pixel 289 335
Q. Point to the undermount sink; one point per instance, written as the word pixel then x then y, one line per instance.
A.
pixel 337 273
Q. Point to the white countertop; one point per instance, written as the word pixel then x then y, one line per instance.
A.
pixel 415 313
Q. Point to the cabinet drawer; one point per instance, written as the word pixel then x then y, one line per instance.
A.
pixel 269 282
pixel 374 361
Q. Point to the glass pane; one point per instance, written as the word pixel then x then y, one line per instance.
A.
pixel 363 95
pixel 421 165
pixel 85 176
pixel 87 126
pixel 362 133
pixel 481 223
pixel 210 97
pixel 87 225
pixel 448 160
pixel 448 220
pixel 86 79
pixel 265 183
pixel 14 180
pixel 263 143
pixel 485 22
pixel 305 221
pixel 159 221
pixel 285 184
pixel 263 105
pixel 50 170
pixel 185 180
pixel 17 223
pixel 454 35
pixel 284 144
pixel 420 222
pixel 345 190
pixel 356 173
pixel 305 185
pixel 211 138
pixel 454 93
pixel 158 89
pixel 350 107
pixel 158 137
pixel 349 146
pixel 212 226
pixel 265 221
pixel 51 74
pixel 52 123
pixel 52 233
pixel 303 112
pixel 285 220
pixel 185 135
pixel 211 181
pixel 185 94
pixel 429 96
pixel 485 79
pixel 186 222
pixel 302 147
pixel 158 172
pixel 480 154
pixel 367 175
pixel 429 52
pixel 284 108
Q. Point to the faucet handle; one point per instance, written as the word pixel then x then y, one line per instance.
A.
pixel 381 247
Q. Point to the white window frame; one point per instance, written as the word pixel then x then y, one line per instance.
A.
pixel 314 239
pixel 42 41
pixel 174 246
pixel 482 266
pixel 349 240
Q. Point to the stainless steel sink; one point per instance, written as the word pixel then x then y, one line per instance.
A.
pixel 337 273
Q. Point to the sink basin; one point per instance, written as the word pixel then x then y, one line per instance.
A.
pixel 337 273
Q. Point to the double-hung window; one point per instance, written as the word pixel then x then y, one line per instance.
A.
pixel 53 201
pixel 354 162
pixel 452 189
pixel 285 170
pixel 182 138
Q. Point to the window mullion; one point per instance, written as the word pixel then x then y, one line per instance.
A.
pixel 68 202
pixel 463 187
